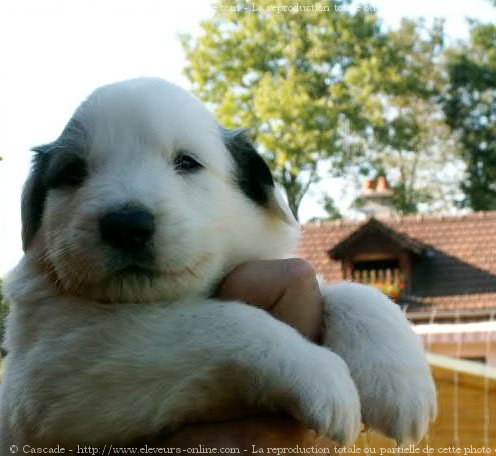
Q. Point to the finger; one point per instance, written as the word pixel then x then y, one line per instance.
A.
pixel 301 303
pixel 286 288
pixel 259 283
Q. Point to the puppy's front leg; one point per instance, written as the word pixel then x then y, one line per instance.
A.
pixel 142 369
pixel 385 358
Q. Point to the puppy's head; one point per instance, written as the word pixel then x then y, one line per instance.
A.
pixel 145 197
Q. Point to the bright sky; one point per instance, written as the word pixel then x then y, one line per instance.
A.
pixel 53 53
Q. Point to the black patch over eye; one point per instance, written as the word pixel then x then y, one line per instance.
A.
pixel 66 170
pixel 184 163
pixel 252 173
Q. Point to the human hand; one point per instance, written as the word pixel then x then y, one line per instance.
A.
pixel 288 289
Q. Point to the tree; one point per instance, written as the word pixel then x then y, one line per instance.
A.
pixel 470 107
pixel 407 139
pixel 332 211
pixel 330 88
pixel 284 75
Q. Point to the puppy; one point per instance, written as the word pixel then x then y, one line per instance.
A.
pixel 130 219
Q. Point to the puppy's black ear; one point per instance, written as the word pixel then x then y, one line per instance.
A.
pixel 54 166
pixel 58 164
pixel 34 195
pixel 253 175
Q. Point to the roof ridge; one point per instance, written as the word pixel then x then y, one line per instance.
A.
pixel 337 222
pixel 475 215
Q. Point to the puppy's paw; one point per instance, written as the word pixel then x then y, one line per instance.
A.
pixel 324 397
pixel 385 358
pixel 399 402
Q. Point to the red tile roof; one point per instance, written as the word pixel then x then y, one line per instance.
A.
pixel 459 271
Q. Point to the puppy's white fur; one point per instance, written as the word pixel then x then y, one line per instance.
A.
pixel 96 359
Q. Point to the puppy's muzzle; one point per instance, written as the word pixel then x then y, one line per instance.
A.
pixel 127 229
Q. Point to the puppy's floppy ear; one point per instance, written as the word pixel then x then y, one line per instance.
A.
pixel 34 194
pixel 253 175
pixel 55 165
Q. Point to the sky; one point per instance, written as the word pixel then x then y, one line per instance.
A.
pixel 53 53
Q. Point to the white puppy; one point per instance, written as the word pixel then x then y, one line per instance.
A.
pixel 130 219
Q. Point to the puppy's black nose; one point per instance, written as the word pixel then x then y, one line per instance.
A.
pixel 127 229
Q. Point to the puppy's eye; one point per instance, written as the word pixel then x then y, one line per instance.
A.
pixel 186 164
pixel 66 170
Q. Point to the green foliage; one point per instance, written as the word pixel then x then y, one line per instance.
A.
pixel 407 133
pixel 470 107
pixel 331 92
pixel 332 211
pixel 285 76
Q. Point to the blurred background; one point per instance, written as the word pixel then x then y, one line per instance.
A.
pixel 378 120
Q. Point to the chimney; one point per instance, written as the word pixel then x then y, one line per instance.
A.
pixel 368 186
pixel 377 198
